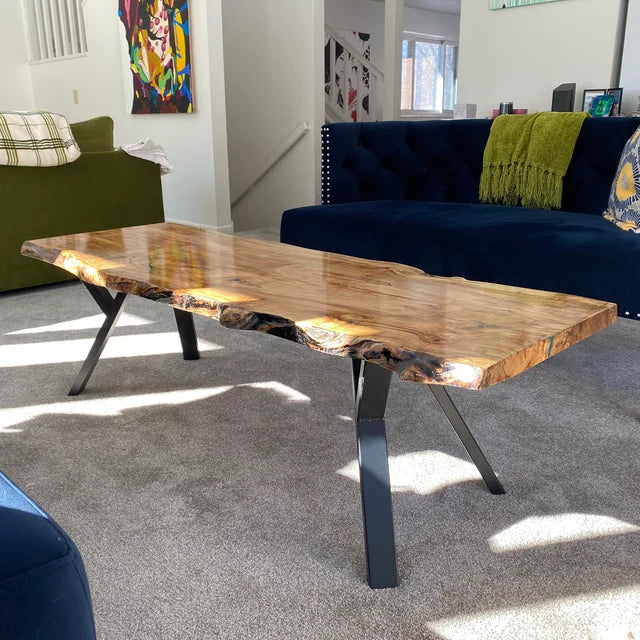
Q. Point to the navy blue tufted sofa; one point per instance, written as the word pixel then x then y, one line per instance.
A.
pixel 408 192
pixel 44 591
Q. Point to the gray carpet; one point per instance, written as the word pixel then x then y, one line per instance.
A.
pixel 217 498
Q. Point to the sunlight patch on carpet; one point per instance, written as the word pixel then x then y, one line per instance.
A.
pixel 115 406
pixel 540 531
pixel 89 322
pixel 106 406
pixel 609 615
pixel 280 388
pixel 421 472
pixel 55 352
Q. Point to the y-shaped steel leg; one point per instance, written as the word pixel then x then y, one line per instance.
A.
pixel 371 387
pixel 469 442
pixel 112 308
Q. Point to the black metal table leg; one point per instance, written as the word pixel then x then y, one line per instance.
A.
pixel 112 310
pixel 187 332
pixel 112 307
pixel 475 453
pixel 371 386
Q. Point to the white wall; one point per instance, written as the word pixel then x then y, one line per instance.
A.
pixel 273 68
pixel 16 92
pixel 521 54
pixel 367 16
pixel 630 74
pixel 198 191
pixel 432 23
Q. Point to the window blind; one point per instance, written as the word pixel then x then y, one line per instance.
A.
pixel 55 29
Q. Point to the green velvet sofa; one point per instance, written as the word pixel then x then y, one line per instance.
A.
pixel 103 189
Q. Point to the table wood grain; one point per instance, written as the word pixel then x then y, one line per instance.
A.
pixel 427 329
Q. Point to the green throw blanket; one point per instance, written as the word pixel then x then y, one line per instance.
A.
pixel 526 158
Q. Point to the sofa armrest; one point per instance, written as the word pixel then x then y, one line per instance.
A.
pixel 100 190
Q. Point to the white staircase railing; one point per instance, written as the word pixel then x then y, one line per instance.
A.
pixel 353 91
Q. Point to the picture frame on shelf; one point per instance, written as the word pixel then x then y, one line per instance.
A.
pixel 601 106
pixel 616 92
pixel 589 95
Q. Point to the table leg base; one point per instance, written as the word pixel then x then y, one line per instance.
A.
pixel 371 386
pixel 113 307
pixel 112 310
pixel 475 453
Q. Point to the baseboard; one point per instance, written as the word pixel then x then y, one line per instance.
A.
pixel 225 228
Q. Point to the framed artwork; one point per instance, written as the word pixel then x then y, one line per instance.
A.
pixel 157 34
pixel 601 106
pixel 617 103
pixel 507 4
pixel 589 95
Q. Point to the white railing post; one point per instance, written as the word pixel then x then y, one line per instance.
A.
pixel 373 97
pixel 360 85
pixel 332 70
pixel 346 113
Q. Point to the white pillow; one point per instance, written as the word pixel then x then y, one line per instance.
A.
pixel 36 139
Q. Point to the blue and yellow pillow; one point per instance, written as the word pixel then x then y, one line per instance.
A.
pixel 624 199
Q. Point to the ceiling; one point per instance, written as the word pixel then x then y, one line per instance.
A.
pixel 442 6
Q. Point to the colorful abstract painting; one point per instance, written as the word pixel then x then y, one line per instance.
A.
pixel 157 33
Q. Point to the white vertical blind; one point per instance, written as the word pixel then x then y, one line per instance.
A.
pixel 38 28
pixel 56 29
pixel 79 18
pixel 72 24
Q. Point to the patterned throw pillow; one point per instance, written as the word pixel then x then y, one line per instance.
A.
pixel 36 139
pixel 624 200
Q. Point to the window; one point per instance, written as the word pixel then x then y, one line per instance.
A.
pixel 55 29
pixel 429 75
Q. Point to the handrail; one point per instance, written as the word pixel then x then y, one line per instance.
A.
pixel 353 53
pixel 299 132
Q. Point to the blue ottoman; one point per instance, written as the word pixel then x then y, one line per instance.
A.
pixel 44 592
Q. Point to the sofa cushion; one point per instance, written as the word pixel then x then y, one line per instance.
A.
pixel 94 135
pixel 624 200
pixel 534 248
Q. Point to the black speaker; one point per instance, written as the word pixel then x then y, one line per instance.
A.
pixel 564 97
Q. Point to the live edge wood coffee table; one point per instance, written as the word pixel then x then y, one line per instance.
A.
pixel 386 317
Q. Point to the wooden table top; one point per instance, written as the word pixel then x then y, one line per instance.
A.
pixel 428 329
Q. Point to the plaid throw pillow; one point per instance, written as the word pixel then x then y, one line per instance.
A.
pixel 36 139
pixel 624 200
